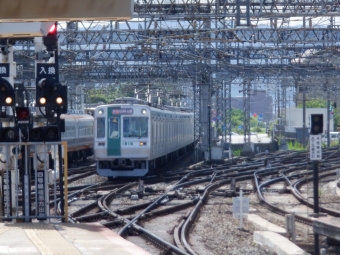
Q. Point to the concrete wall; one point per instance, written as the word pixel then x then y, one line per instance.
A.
pixel 294 118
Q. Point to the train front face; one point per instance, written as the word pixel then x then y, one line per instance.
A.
pixel 122 140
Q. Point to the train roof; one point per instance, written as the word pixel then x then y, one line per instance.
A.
pixel 73 116
pixel 76 116
pixel 132 100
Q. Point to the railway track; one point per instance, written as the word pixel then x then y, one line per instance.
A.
pixel 166 216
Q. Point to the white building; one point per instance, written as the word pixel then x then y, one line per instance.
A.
pixel 294 118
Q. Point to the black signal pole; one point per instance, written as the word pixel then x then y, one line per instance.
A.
pixel 316 155
pixel 61 172
pixel 60 156
pixel 316 202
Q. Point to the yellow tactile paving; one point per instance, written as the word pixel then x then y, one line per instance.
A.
pixel 38 243
pixel 4 229
pixel 46 239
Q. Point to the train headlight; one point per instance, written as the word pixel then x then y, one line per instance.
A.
pixel 142 143
pixel 143 111
pixel 101 112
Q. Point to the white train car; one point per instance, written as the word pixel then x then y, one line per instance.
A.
pixel 237 139
pixel 79 135
pixel 133 138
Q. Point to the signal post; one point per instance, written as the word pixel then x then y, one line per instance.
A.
pixel 51 101
pixel 315 154
pixel 9 133
pixel 23 133
pixel 19 126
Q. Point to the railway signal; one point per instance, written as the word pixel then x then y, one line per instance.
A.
pixel 50 40
pixel 50 93
pixel 7 96
pixel 44 134
pixel 9 134
pixel 22 115
pixel 316 124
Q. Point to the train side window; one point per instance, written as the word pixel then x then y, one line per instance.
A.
pixel 73 131
pixel 156 129
pixel 100 127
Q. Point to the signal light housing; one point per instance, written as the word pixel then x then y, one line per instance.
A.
pixel 44 134
pixel 36 134
pixel 51 93
pixel 51 133
pixel 22 115
pixel 316 124
pixel 9 134
pixel 7 95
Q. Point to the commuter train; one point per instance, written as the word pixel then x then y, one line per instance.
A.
pixel 79 135
pixel 133 138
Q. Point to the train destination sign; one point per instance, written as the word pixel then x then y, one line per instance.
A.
pixel 122 111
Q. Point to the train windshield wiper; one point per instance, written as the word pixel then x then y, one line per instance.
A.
pixel 142 135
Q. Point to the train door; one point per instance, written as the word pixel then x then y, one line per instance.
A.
pixel 114 134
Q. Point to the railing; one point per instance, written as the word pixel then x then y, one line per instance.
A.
pixel 25 170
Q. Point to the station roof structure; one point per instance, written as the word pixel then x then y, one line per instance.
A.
pixel 172 40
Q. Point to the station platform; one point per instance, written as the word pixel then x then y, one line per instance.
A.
pixel 63 238
pixel 327 226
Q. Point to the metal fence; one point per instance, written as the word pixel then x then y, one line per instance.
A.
pixel 32 181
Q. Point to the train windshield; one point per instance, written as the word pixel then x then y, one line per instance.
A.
pixel 114 127
pixel 135 127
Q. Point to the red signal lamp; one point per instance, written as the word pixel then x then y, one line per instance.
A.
pixel 23 115
pixel 53 29
pixel 50 40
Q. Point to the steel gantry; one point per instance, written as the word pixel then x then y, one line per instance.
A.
pixel 167 39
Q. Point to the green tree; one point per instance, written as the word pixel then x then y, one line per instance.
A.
pixel 253 122
pixel 336 117
pixel 102 95
pixel 314 103
pixel 236 117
